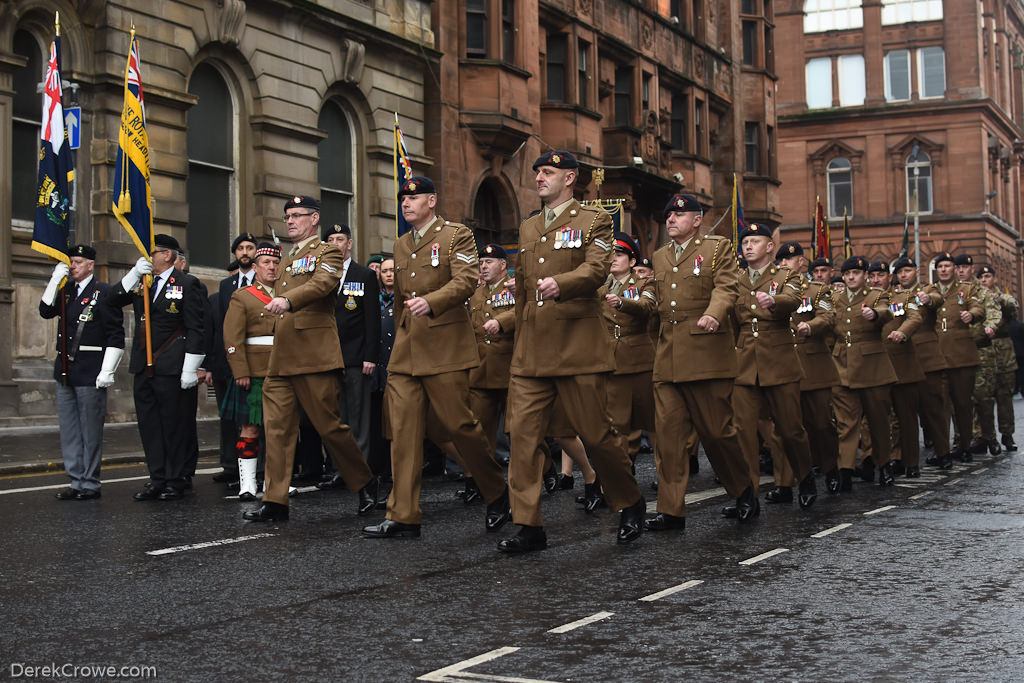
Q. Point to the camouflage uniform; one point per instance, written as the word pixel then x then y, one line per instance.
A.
pixel 1005 362
pixel 984 396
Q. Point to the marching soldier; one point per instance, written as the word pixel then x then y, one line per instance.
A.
pixel 435 273
pixel 999 392
pixel 769 369
pixel 90 343
pixel 696 288
pixel 644 267
pixel 302 373
pixel 821 270
pixel 561 350
pixel 248 341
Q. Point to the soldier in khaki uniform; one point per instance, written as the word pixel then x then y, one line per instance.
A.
pixel 696 288
pixel 865 371
pixel 960 306
pixel 561 350
pixel 303 369
pixel 248 341
pixel 769 370
pixel 435 273
pixel 817 315
pixel 1005 362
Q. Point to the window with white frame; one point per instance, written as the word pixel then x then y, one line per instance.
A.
pixel 818 82
pixel 851 80
pixel 931 70
pixel 919 182
pixel 336 165
pixel 832 15
pixel 839 175
pixel 897 75
pixel 902 11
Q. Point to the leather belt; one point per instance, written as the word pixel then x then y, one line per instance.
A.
pixel 265 340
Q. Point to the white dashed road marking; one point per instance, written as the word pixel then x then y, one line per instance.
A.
pixel 881 509
pixel 832 530
pixel 670 591
pixel 764 556
pixel 206 544
pixel 565 628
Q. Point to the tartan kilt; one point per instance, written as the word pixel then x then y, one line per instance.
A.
pixel 244 406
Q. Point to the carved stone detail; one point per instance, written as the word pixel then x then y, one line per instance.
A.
pixel 230 21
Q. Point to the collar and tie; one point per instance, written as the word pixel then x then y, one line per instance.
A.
pixel 754 275
pixel 244 280
pixel 549 217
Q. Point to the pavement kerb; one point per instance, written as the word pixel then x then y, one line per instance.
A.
pixel 58 466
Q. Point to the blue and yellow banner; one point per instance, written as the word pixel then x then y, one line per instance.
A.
pixel 403 171
pixel 133 203
pixel 612 206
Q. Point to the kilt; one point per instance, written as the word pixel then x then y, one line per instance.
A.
pixel 244 406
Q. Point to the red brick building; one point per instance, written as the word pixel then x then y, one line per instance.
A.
pixel 871 92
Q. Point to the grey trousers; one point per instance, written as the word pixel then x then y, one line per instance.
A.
pixel 354 405
pixel 81 411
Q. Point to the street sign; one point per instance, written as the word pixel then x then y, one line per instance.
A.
pixel 73 122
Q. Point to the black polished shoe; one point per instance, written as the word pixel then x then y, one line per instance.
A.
pixel 498 512
pixel 89 494
pixel 148 492
pixel 664 522
pixel 330 481
pixel 832 483
pixel 1008 442
pixel 226 476
pixel 391 529
pixel 592 496
pixel 471 493
pixel 885 475
pixel 780 494
pixel 268 512
pixel 566 482
pixel 960 454
pixel 898 467
pixel 67 494
pixel 694 464
pixel 171 494
pixel 978 446
pixel 945 463
pixel 368 496
pixel 246 497
pixel 994 448
pixel 913 472
pixel 550 479
pixel 866 470
pixel 631 522
pixel 845 480
pixel 808 491
pixel 730 512
pixel 529 539
pixel 747 505
pixel 932 460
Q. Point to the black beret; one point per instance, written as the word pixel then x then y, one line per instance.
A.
pixel 682 202
pixel 418 184
pixel 337 229
pixel 244 237
pixel 556 158
pixel 878 267
pixel 233 266
pixel 963 260
pixel 644 262
pixel 302 202
pixel 625 244
pixel 943 256
pixel 83 250
pixel 166 242
pixel 854 263
pixel 790 249
pixel 493 251
pixel 986 270
pixel 821 261
pixel 755 230
pixel 904 262
pixel 268 249
pixel 837 280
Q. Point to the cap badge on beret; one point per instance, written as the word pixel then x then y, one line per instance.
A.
pixel 556 159
pixel 411 186
pixel 297 199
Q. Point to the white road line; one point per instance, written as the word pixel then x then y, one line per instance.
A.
pixel 954 481
pixel 470 676
pixel 51 487
pixel 205 544
pixel 832 530
pixel 764 556
pixel 458 667
pixel 669 591
pixel 979 471
pixel 922 494
pixel 565 628
pixel 881 509
pixel 700 496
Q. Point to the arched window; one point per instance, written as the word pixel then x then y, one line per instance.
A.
pixel 832 15
pixel 335 168
pixel 493 214
pixel 840 187
pixel 919 177
pixel 212 186
pixel 26 118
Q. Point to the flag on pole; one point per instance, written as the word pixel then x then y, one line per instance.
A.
pixel 738 224
pixel 822 241
pixel 133 203
pixel 56 168
pixel 403 171
pixel 847 241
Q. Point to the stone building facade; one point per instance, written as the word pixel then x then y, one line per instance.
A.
pixel 878 96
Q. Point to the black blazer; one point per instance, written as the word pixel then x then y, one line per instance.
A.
pixel 227 287
pixel 358 317
pixel 104 328
pixel 184 310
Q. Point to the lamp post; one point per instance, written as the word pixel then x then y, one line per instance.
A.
pixel 917 206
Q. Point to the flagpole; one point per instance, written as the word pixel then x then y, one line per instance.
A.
pixel 394 163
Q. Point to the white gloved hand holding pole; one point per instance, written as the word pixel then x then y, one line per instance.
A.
pixel 111 359
pixel 189 376
pixel 60 271
pixel 142 267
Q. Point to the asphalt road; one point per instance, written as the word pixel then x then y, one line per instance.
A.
pixel 921 581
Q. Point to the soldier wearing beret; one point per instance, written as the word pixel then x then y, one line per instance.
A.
pixel 994 386
pixel 644 267
pixel 302 373
pixel 435 273
pixel 165 392
pixel 696 285
pixel 769 369
pixel 821 271
pixel 90 343
pixel 561 350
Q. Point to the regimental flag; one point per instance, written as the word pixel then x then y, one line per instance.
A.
pixel 738 224
pixel 56 169
pixel 847 240
pixel 820 239
pixel 403 171
pixel 133 203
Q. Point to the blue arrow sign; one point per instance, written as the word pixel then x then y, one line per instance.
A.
pixel 73 122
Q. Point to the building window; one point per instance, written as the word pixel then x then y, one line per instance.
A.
pixel 919 175
pixel 902 11
pixel 769 151
pixel 752 147
pixel 508 31
pixel 335 165
pixel 749 43
pixel 897 75
pixel 476 28
pixel 494 216
pixel 851 80
pixel 818 83
pixel 931 69
pixel 840 188
pixel 698 126
pixel 556 67
pixel 645 93
pixel 748 7
pixel 624 96
pixel 678 123
pixel 583 73
pixel 832 15
pixel 25 120
pixel 212 184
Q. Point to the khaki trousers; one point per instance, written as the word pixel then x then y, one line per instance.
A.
pixel 631 404
pixel 783 403
pixel 960 383
pixel 852 406
pixel 906 404
pixel 932 411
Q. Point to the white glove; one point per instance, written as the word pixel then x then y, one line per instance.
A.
pixel 60 271
pixel 142 267
pixel 111 358
pixel 189 378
